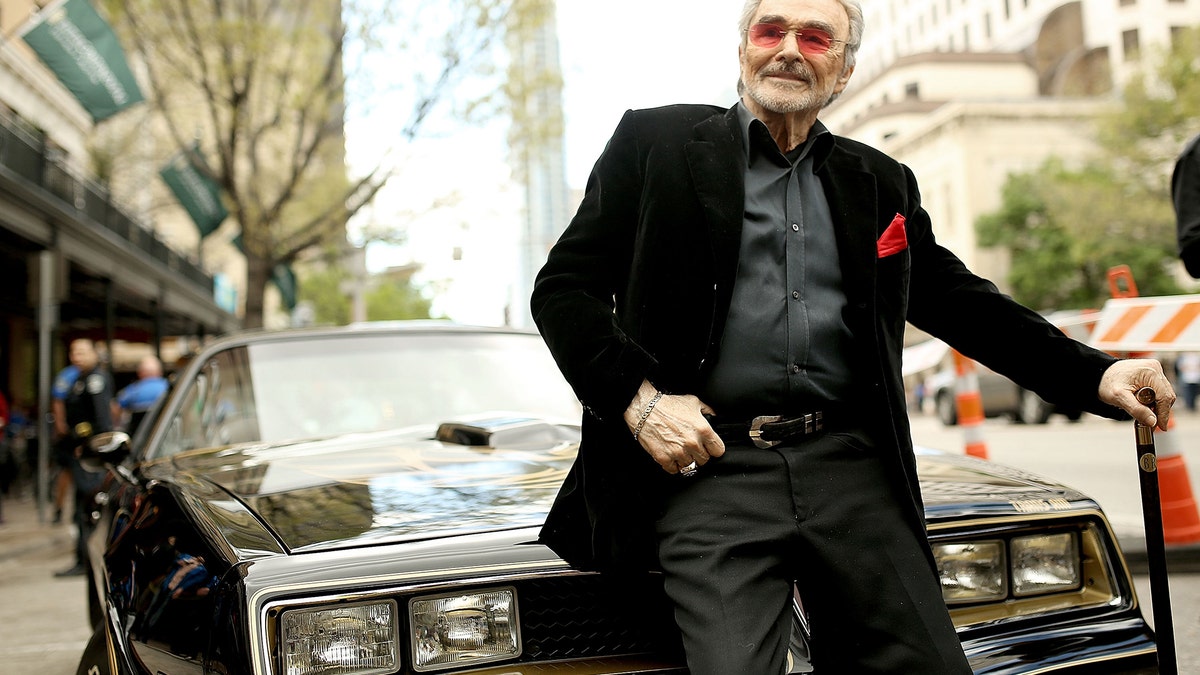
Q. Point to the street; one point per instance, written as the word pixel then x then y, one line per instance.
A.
pixel 44 617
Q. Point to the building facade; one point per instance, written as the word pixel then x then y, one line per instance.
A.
pixel 966 92
pixel 74 261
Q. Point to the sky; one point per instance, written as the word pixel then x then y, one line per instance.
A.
pixel 622 54
pixel 615 55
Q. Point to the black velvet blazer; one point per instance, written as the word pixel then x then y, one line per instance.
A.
pixel 639 285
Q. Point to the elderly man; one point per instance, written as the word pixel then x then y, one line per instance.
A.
pixel 729 304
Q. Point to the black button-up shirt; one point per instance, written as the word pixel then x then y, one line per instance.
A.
pixel 785 345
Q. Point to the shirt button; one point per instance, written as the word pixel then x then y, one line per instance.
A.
pixel 795 369
pixel 795 227
pixel 795 295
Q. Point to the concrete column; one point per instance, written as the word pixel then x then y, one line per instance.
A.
pixel 47 322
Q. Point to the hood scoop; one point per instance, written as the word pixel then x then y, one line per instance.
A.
pixel 506 431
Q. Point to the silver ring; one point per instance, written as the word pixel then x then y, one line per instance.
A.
pixel 689 470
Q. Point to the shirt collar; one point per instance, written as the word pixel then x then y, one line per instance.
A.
pixel 818 145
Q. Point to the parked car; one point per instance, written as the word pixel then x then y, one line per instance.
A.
pixel 366 500
pixel 1001 398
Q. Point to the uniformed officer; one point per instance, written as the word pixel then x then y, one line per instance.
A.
pixel 83 395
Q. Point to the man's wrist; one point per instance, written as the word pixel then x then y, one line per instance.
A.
pixel 645 414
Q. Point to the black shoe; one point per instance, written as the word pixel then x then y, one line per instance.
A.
pixel 76 571
pixel 57 516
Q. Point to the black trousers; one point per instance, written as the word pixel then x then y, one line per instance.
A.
pixel 821 514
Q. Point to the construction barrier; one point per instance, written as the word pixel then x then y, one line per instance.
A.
pixel 1135 326
pixel 1169 323
pixel 970 406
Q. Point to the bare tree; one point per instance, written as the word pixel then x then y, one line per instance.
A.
pixel 264 87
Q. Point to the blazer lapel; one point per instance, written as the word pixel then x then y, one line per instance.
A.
pixel 853 202
pixel 716 164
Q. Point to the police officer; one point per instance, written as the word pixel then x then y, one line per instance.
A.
pixel 139 397
pixel 83 400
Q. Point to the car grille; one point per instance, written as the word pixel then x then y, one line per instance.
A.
pixel 583 616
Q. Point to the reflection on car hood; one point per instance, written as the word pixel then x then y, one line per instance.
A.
pixel 370 488
pixel 954 485
pixel 365 489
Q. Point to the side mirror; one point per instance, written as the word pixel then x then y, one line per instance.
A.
pixel 105 450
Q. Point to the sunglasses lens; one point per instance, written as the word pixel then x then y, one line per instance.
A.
pixel 810 40
pixel 767 35
pixel 813 41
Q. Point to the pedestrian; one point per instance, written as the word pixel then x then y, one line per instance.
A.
pixel 1188 368
pixel 729 303
pixel 1185 196
pixel 81 411
pixel 134 401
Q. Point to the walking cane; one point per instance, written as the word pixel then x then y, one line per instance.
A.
pixel 1156 554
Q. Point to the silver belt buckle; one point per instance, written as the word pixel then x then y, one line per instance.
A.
pixel 756 431
pixel 814 422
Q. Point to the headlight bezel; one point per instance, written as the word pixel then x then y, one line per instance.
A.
pixel 1105 580
pixel 1008 543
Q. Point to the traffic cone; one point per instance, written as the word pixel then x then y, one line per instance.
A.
pixel 1181 521
pixel 970 406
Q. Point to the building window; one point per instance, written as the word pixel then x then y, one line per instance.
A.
pixel 1129 39
pixel 912 91
pixel 966 38
pixel 987 26
pixel 1007 9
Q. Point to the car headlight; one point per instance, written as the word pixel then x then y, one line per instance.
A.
pixel 464 629
pixel 972 571
pixel 1045 563
pixel 359 639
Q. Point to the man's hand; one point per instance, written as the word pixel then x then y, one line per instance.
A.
pixel 675 433
pixel 1123 379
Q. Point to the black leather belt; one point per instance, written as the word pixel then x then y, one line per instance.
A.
pixel 767 431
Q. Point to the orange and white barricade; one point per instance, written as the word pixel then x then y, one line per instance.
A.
pixel 1158 325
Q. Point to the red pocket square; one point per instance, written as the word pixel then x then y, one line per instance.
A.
pixel 893 239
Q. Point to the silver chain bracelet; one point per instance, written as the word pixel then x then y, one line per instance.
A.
pixel 637 431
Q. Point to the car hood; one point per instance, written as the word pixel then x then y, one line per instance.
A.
pixel 486 474
pixel 359 489
pixel 955 486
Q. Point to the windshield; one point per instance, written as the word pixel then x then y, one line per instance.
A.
pixel 331 385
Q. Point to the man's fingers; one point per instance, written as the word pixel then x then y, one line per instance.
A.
pixel 1122 380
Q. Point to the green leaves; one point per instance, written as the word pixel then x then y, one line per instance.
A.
pixel 1067 225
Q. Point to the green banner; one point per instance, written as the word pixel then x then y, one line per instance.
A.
pixel 79 46
pixel 197 193
pixel 285 280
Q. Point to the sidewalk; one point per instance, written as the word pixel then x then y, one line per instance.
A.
pixel 21 533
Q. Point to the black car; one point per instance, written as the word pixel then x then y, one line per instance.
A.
pixel 366 500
